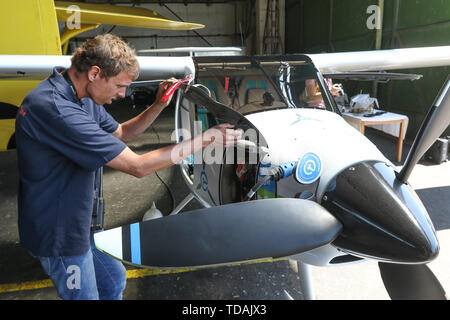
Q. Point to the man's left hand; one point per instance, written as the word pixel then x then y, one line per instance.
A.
pixel 162 88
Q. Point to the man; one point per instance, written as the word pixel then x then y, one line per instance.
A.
pixel 64 136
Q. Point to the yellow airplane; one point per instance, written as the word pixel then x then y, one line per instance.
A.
pixel 30 27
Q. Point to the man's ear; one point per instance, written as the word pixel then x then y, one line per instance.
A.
pixel 94 73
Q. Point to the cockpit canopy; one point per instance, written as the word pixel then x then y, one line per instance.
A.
pixel 255 84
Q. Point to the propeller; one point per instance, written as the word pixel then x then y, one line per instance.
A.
pixel 436 121
pixel 417 282
pixel 236 232
pixel 411 282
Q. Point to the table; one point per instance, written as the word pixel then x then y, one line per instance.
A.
pixel 392 123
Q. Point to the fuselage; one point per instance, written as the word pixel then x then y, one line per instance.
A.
pixel 336 165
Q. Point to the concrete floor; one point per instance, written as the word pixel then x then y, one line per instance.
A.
pixel 128 198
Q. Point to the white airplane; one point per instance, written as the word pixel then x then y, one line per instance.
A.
pixel 302 183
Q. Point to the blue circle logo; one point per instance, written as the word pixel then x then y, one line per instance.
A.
pixel 204 181
pixel 309 168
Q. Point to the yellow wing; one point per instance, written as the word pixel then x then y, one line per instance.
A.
pixel 118 15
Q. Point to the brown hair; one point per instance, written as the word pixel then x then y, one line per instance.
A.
pixel 110 53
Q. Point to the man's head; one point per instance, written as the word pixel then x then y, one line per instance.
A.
pixel 109 64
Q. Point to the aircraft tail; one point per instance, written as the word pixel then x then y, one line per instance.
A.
pixel 29 27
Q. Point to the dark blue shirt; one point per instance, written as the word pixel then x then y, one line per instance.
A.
pixel 61 142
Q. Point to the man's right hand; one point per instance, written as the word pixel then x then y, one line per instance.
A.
pixel 221 135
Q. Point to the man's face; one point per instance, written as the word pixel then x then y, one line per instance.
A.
pixel 103 90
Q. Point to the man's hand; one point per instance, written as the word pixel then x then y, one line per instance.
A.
pixel 221 135
pixel 162 88
pixel 140 165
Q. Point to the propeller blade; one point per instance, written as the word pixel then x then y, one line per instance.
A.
pixel 411 282
pixel 436 121
pixel 230 233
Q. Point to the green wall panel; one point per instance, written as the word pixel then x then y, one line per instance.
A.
pixel 420 23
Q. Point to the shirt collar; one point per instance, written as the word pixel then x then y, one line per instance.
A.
pixel 61 84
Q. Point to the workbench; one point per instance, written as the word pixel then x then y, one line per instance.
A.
pixel 391 123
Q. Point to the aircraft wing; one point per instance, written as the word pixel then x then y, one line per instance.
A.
pixel 376 60
pixel 41 66
pixel 120 15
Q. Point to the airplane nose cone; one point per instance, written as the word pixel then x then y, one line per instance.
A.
pixel 382 217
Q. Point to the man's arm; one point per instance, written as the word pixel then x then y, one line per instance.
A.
pixel 132 128
pixel 141 165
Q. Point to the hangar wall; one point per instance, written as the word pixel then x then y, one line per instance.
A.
pixel 342 25
pixel 234 23
pixel 224 24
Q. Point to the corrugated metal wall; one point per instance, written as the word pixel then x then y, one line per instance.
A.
pixel 341 25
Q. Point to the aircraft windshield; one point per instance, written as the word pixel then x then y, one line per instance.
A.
pixel 253 85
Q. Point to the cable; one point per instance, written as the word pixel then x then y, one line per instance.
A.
pixel 275 173
pixel 161 179
pixel 255 188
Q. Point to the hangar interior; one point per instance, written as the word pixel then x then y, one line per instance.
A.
pixel 307 27
pixel 257 27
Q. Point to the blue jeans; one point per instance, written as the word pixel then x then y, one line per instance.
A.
pixel 91 276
